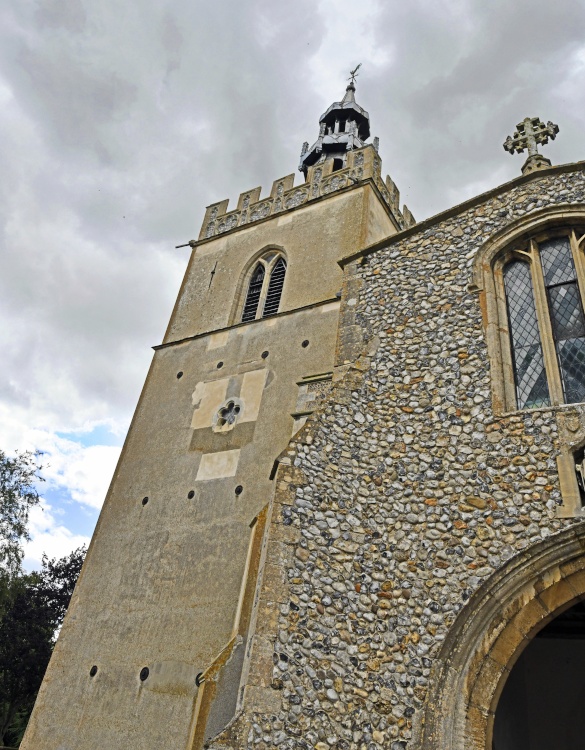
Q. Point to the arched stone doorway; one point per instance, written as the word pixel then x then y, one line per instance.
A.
pixel 489 635
pixel 541 705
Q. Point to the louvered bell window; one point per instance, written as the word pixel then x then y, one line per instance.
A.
pixel 275 285
pixel 265 287
pixel 254 292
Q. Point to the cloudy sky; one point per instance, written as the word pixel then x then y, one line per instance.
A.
pixel 120 122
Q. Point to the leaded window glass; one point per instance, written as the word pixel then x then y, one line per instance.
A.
pixel 566 313
pixel 530 375
pixel 547 326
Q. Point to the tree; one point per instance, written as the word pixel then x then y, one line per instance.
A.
pixel 18 494
pixel 25 649
pixel 58 579
pixel 34 607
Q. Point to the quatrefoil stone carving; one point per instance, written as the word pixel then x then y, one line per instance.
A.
pixel 227 415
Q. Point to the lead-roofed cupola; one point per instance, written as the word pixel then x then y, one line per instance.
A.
pixel 343 127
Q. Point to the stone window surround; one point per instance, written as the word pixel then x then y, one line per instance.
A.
pixel 244 281
pixel 519 240
pixel 528 252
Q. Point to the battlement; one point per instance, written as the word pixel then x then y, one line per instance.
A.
pixel 362 164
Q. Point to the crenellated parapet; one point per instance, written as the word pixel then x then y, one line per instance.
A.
pixel 362 164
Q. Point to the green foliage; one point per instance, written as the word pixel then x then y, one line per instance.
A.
pixel 58 579
pixel 32 607
pixel 18 476
pixel 26 638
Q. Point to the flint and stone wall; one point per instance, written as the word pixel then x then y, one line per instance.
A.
pixel 402 495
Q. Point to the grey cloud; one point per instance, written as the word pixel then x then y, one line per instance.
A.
pixel 61 14
pixel 464 74
pixel 128 119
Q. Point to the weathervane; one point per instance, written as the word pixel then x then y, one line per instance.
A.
pixel 353 74
pixel 531 133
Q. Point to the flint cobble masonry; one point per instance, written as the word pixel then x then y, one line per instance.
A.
pixel 404 493
pixel 361 558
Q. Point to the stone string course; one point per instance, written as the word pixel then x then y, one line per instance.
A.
pixel 403 495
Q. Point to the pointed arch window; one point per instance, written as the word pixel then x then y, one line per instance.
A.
pixel 544 287
pixel 254 292
pixel 265 287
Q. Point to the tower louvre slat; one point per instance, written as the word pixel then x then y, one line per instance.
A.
pixel 275 288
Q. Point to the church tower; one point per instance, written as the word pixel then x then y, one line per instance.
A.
pixel 156 644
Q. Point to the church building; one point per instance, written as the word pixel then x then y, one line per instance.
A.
pixel 349 511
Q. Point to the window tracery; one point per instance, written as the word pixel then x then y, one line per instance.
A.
pixel 543 287
pixel 265 286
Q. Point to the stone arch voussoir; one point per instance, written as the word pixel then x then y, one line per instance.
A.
pixel 491 632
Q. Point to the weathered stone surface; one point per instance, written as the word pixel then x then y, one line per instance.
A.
pixel 392 510
pixel 431 493
pixel 168 581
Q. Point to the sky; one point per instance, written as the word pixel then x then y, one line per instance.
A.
pixel 120 122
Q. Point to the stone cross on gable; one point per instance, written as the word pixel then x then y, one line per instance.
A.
pixel 530 133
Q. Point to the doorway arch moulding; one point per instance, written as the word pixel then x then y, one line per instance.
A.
pixel 490 633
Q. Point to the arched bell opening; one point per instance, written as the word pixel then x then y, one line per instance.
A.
pixel 541 705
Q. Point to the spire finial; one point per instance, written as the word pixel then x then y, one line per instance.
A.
pixel 343 127
pixel 353 74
